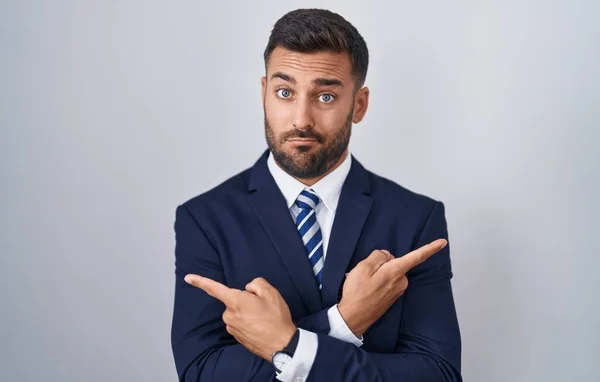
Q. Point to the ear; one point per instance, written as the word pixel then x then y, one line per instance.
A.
pixel 263 84
pixel 361 103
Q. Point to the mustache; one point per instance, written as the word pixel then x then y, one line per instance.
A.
pixel 306 134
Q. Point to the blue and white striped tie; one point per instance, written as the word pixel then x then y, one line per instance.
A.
pixel 309 229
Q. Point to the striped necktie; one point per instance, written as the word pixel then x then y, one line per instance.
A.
pixel 309 229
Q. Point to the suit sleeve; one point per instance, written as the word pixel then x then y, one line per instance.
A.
pixel 303 359
pixel 317 322
pixel 202 348
pixel 329 321
pixel 428 346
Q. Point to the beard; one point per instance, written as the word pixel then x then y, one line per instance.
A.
pixel 299 162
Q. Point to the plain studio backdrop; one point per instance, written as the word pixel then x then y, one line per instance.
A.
pixel 114 112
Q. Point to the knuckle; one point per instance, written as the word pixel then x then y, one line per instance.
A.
pixel 386 272
pixel 365 271
pixel 362 266
pixel 404 283
pixel 381 255
pixel 374 253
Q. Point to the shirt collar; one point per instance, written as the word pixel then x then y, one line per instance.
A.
pixel 328 188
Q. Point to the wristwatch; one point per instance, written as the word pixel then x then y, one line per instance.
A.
pixel 281 359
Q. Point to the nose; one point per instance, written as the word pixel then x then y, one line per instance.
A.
pixel 303 118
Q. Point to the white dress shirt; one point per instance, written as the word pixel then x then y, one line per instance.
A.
pixel 328 189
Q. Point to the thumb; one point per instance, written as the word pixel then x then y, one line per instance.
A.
pixel 259 286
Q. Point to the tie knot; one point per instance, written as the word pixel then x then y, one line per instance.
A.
pixel 308 199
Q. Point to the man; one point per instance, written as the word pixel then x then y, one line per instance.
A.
pixel 307 267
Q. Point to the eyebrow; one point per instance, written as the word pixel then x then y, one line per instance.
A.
pixel 316 81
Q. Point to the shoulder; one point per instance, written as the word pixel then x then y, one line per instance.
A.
pixel 397 195
pixel 223 194
pixel 397 203
pixel 408 210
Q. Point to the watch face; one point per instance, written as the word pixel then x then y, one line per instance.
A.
pixel 281 360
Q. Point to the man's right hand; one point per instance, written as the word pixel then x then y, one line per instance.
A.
pixel 376 282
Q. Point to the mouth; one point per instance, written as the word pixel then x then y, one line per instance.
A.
pixel 302 140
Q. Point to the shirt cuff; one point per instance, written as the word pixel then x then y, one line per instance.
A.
pixel 304 357
pixel 339 329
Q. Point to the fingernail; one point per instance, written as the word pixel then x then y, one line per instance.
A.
pixel 443 245
pixel 188 279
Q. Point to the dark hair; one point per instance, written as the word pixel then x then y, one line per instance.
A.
pixel 315 30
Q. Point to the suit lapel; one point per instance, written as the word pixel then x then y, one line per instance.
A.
pixel 351 214
pixel 269 205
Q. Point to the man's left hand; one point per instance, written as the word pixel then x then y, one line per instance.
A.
pixel 257 317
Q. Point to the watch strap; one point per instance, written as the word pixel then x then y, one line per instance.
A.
pixel 291 347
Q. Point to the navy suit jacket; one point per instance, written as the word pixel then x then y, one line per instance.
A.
pixel 242 229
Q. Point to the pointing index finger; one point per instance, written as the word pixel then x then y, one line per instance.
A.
pixel 419 255
pixel 214 288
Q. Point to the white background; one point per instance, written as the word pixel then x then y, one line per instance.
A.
pixel 114 112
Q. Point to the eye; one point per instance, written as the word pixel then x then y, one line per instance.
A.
pixel 284 93
pixel 326 98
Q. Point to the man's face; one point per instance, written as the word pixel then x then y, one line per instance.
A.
pixel 310 104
